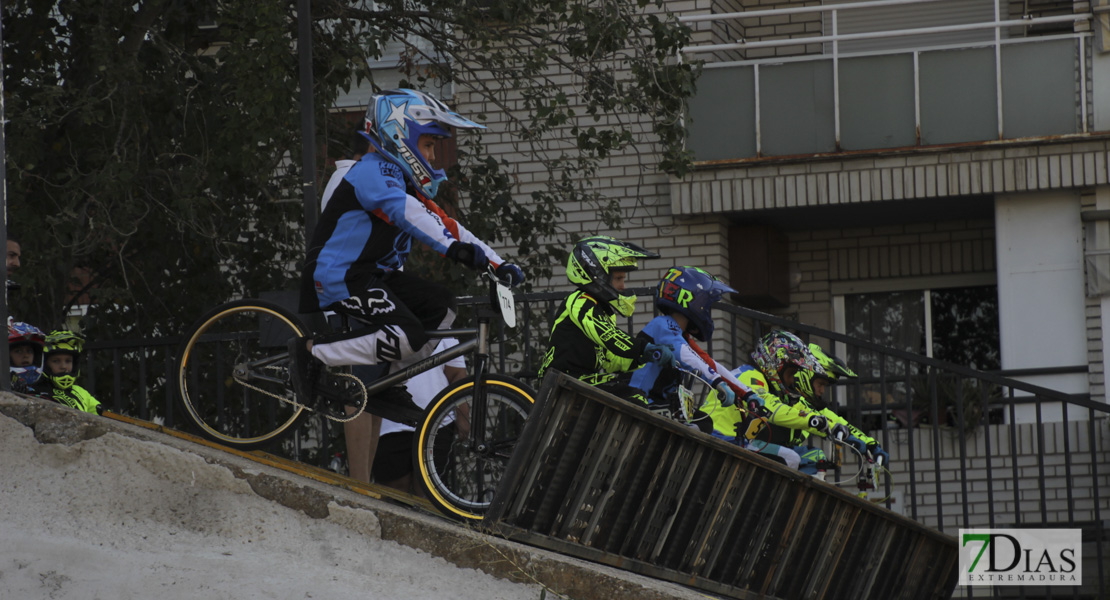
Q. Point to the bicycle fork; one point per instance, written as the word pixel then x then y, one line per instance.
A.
pixel 481 364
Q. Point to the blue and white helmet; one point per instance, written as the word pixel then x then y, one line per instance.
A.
pixel 396 119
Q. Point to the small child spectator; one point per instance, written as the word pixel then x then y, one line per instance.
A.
pixel 25 345
pixel 61 370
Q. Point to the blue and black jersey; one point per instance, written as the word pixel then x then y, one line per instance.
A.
pixel 367 229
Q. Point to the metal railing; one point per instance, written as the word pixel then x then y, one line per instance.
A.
pixel 968 448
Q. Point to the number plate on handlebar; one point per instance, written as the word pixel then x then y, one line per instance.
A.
pixel 508 305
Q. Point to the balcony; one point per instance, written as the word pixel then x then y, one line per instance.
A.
pixel 865 76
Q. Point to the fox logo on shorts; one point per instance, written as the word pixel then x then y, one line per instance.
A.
pixel 377 302
pixel 372 302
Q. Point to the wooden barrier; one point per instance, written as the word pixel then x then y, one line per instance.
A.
pixel 599 478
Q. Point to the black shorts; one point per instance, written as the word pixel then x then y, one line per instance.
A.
pixel 396 298
pixel 393 459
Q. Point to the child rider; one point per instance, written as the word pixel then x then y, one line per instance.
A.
pixel 813 385
pixel 355 259
pixel 356 256
pixel 777 423
pixel 685 297
pixel 585 341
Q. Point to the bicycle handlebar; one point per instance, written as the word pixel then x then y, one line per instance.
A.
pixel 867 455
pixel 491 274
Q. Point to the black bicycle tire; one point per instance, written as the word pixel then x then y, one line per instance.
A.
pixel 517 393
pixel 189 403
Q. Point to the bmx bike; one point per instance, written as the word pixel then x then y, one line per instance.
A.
pixel 234 384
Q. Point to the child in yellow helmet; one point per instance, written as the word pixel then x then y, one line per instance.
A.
pixel 782 422
pixel 813 385
pixel 585 341
pixel 60 371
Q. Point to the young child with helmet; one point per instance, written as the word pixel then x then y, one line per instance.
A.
pixel 355 259
pixel 585 341
pixel 813 385
pixel 61 368
pixel 779 419
pixel 357 252
pixel 25 345
pixel 685 298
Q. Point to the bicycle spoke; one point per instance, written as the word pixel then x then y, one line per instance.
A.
pixel 233 373
pixel 462 473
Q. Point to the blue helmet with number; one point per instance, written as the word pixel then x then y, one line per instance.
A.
pixel 691 292
pixel 395 120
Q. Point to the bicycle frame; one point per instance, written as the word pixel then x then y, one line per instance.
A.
pixel 459 466
pixel 476 345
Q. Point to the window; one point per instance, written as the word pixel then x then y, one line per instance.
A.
pixel 965 327
pixel 957 325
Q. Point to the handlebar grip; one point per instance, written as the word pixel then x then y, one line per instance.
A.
pixel 877 459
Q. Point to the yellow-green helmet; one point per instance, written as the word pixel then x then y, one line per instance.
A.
pixel 833 369
pixel 64 342
pixel 597 257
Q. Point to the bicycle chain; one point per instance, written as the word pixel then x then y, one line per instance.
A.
pixel 293 402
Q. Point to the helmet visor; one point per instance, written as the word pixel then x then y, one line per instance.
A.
pixel 431 114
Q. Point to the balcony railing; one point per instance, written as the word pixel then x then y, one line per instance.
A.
pixel 827 101
pixel 968 448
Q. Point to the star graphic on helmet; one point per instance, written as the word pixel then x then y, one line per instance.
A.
pixel 397 113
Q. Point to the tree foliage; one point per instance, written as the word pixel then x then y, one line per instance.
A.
pixel 153 147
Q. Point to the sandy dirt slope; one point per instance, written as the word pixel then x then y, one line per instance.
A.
pixel 92 509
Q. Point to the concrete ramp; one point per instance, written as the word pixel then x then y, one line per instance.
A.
pixel 97 507
pixel 599 478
